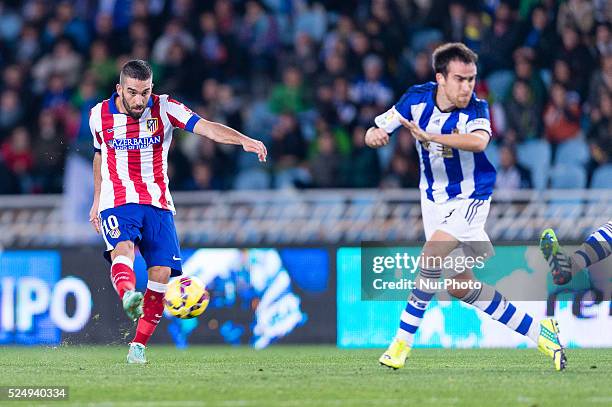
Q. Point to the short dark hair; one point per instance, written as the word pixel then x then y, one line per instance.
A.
pixel 136 69
pixel 453 51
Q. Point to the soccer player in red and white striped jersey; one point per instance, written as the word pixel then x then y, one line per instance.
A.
pixel 132 132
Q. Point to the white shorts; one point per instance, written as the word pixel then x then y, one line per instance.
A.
pixel 464 219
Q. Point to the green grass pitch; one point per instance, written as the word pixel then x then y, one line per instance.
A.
pixel 309 376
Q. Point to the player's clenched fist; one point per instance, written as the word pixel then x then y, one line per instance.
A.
pixel 376 137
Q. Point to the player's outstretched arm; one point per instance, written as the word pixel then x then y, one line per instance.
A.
pixel 223 134
pixel 475 141
pixel 97 173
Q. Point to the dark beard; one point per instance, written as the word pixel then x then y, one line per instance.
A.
pixel 130 112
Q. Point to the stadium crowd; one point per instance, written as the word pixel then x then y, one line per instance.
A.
pixel 307 78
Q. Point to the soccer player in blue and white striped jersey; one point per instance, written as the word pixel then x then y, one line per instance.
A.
pixel 452 129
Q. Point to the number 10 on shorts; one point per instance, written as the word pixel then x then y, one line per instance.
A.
pixel 111 226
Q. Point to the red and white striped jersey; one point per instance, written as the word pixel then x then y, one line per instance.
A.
pixel 135 151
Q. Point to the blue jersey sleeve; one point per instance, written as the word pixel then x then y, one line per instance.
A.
pixel 404 104
pixel 479 117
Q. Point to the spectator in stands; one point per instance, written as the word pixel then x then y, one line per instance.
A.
pixel 511 175
pixel 603 39
pixel 72 26
pixel 106 31
pixel 102 65
pixel 342 139
pixel 220 160
pixel 324 167
pixel 13 79
pixel 599 136
pixel 28 46
pixel 561 116
pixel 290 96
pixel 175 35
pixel 359 48
pixel 212 48
pixel 139 31
pixel 311 21
pixel 11 111
pixel 179 168
pixel 523 115
pixel 180 72
pixel 334 67
pixel 562 74
pixel 84 98
pixel 372 88
pixel 361 169
pixel 49 153
pixel 578 57
pixel 414 70
pixel 474 30
pixel 305 55
pixel 498 41
pixel 540 36
pixel 288 151
pixel 384 29
pixel 224 15
pixel 229 106
pixel 52 32
pixel 336 40
pixel 10 23
pixel 576 13
pixel 258 34
pixel 346 111
pixel 601 81
pixel 403 170
pixel 455 25
pixel 202 177
pixel 525 70
pixel 17 156
pixel 325 104
pixel 56 95
pixel 63 61
pixel 139 11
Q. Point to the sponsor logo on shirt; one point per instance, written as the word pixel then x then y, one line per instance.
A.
pixel 138 143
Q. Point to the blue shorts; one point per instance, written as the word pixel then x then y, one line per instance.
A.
pixel 150 228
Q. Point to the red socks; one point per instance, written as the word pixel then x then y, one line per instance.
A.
pixel 122 275
pixel 153 309
pixel 124 279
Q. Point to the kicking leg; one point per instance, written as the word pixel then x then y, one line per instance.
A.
pixel 153 310
pixel 494 304
pixel 124 279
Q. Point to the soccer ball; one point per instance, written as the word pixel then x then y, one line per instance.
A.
pixel 186 297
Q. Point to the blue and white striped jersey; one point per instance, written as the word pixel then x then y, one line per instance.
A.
pixel 446 172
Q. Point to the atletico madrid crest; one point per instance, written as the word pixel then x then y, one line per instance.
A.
pixel 152 125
